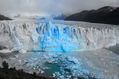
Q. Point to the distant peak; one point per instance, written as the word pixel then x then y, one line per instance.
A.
pixel 109 8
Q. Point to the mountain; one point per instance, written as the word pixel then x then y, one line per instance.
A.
pixel 2 17
pixel 59 17
pixel 106 15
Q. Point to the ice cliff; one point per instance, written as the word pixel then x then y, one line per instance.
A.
pixel 31 35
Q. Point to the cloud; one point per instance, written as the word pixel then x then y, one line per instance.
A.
pixel 51 6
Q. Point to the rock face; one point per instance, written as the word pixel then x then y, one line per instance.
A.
pixel 2 17
pixel 106 15
pixel 55 36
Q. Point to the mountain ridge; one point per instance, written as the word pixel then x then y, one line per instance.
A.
pixel 2 17
pixel 106 15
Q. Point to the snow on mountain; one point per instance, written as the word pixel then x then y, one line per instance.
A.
pixel 29 35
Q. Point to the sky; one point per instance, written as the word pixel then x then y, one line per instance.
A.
pixel 51 7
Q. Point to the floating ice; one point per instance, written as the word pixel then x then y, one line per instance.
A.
pixel 59 66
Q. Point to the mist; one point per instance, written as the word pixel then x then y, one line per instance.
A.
pixel 51 7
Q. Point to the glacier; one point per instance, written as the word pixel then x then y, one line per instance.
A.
pixel 35 35
pixel 63 49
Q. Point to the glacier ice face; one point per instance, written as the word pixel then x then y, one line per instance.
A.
pixel 55 35
pixel 15 35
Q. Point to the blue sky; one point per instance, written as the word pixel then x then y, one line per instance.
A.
pixel 51 6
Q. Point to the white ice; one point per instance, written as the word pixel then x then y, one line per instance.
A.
pixel 22 35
